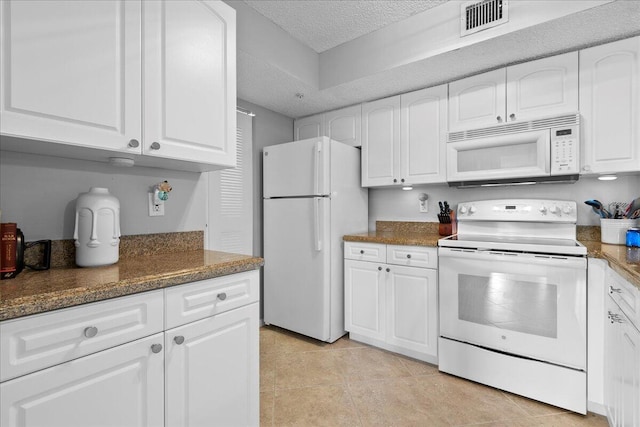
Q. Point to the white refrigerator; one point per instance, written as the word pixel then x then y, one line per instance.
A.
pixel 312 197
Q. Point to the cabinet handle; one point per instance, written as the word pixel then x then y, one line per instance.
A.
pixel 409 256
pixel 616 290
pixel 178 339
pixel 388 270
pixel 90 331
pixel 512 116
pixel 361 251
pixel 395 180
pixel 133 143
pixel 379 268
pixel 222 296
pixel 155 146
pixel 402 180
pixel 156 348
pixel 499 119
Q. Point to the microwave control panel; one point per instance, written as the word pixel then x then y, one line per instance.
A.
pixel 564 150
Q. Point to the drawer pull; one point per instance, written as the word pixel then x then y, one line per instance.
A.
pixel 222 296
pixel 362 251
pixel 409 256
pixel 90 331
pixel 178 339
pixel 155 146
pixel 388 270
pixel 379 268
pixel 156 348
pixel 616 290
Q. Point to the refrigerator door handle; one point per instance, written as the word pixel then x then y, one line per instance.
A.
pixel 317 218
pixel 316 167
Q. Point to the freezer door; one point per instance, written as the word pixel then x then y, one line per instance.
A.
pixel 297 270
pixel 299 168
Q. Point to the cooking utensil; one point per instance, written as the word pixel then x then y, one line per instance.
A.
pixel 632 208
pixel 598 208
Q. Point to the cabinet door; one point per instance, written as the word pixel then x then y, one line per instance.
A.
pixel 212 370
pixel 542 88
pixel 629 374
pixel 190 81
pixel 412 309
pixel 610 107
pixel 611 362
pixel 423 136
pixel 71 72
pixel 308 127
pixel 477 101
pixel 381 142
pixel 344 125
pixel 122 386
pixel 365 298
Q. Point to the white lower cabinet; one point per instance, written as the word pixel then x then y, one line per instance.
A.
pixel 622 362
pixel 391 302
pixel 111 363
pixel 212 370
pixel 121 386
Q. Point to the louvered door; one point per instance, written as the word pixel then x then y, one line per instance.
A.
pixel 230 218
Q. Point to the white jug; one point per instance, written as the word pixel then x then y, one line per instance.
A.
pixel 97 229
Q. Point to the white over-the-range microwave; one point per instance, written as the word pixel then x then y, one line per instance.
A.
pixel 517 153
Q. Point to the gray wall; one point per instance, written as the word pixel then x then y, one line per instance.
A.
pixel 394 204
pixel 39 193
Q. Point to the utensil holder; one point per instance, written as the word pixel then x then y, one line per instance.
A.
pixel 614 231
pixel 445 229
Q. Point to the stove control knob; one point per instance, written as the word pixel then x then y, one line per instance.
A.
pixel 463 209
pixel 472 209
pixel 567 209
pixel 543 209
pixel 554 209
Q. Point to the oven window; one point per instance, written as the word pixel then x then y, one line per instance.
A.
pixel 503 302
pixel 498 158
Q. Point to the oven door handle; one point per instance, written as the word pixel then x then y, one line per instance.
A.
pixel 523 257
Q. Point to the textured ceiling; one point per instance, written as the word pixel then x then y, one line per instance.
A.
pixel 324 24
pixel 268 86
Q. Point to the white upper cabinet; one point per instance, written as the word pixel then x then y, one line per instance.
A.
pixel 344 125
pixel 190 81
pixel 610 107
pixel 404 139
pixel 423 116
pixel 381 142
pixel 308 127
pixel 71 73
pixel 531 90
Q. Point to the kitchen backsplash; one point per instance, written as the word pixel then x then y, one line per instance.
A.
pixel 393 204
pixel 63 251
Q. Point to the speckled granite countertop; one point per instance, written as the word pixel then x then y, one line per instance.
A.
pixel 40 291
pixel 625 261
pixel 400 233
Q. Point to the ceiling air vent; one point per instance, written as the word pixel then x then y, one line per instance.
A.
pixel 480 15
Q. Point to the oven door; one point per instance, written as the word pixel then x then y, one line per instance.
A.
pixel 519 155
pixel 524 304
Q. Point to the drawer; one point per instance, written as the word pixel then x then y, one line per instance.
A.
pixel 626 295
pixel 373 252
pixel 412 256
pixel 198 300
pixel 36 342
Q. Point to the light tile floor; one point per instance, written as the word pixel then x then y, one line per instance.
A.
pixel 304 382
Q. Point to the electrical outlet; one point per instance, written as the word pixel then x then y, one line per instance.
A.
pixel 423 207
pixel 156 207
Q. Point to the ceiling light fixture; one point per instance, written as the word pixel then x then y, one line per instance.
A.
pixel 407 188
pixel 121 162
pixel 607 177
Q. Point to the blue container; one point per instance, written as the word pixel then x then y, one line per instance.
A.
pixel 633 237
